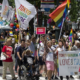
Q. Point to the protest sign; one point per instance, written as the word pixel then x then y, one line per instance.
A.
pixel 41 30
pixel 68 63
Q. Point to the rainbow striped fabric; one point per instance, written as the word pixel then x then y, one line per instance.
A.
pixel 47 4
pixel 2 40
pixel 10 33
pixel 71 36
pixel 60 13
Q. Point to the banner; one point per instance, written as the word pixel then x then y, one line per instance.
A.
pixel 11 14
pixel 5 9
pixel 25 12
pixel 47 4
pixel 69 63
pixel 41 30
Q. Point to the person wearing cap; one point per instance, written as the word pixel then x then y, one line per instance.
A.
pixel 8 63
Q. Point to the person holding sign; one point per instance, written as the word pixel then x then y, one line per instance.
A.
pixel 49 57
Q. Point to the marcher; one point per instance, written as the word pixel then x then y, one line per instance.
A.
pixel 40 52
pixel 49 60
pixel 8 63
pixel 20 50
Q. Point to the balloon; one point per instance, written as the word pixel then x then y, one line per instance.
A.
pixel 16 21
pixel 15 15
pixel 15 18
pixel 17 25
pixel 11 24
pixel 14 27
pixel 17 29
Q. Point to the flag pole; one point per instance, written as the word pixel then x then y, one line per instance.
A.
pixel 34 27
pixel 61 28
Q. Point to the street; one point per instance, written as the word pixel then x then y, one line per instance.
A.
pixel 8 76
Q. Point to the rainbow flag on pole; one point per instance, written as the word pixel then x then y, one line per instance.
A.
pixel 71 36
pixel 60 13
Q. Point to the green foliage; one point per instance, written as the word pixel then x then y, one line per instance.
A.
pixel 11 3
pixel 35 2
pixel 74 10
pixel 1 1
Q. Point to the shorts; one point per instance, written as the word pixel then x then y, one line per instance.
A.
pixel 41 62
pixel 50 65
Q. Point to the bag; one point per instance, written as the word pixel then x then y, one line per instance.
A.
pixel 2 56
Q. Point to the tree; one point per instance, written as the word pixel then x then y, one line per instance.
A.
pixel 73 10
pixel 11 3
pixel 1 1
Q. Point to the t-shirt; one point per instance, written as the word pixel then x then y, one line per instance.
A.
pixel 13 40
pixel 53 47
pixel 16 39
pixel 27 37
pixel 60 49
pixel 32 48
pixel 20 50
pixel 49 56
pixel 8 50
pixel 41 48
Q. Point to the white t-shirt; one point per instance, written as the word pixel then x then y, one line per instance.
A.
pixel 41 48
pixel 53 47
pixel 49 56
pixel 78 34
pixel 32 47
pixel 27 37
pixel 61 49
pixel 13 40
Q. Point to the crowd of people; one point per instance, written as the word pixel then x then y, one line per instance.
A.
pixel 44 49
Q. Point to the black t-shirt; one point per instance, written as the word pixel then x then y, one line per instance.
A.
pixel 26 59
pixel 20 50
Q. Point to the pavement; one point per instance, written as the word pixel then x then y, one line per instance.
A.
pixel 8 76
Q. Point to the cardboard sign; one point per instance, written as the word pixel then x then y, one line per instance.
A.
pixel 41 30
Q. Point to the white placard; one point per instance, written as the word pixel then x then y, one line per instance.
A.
pixel 69 63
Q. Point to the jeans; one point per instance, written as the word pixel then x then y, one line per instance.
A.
pixel 16 64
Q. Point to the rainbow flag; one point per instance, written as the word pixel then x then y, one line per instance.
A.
pixel 47 4
pixel 2 40
pixel 71 36
pixel 10 33
pixel 60 13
